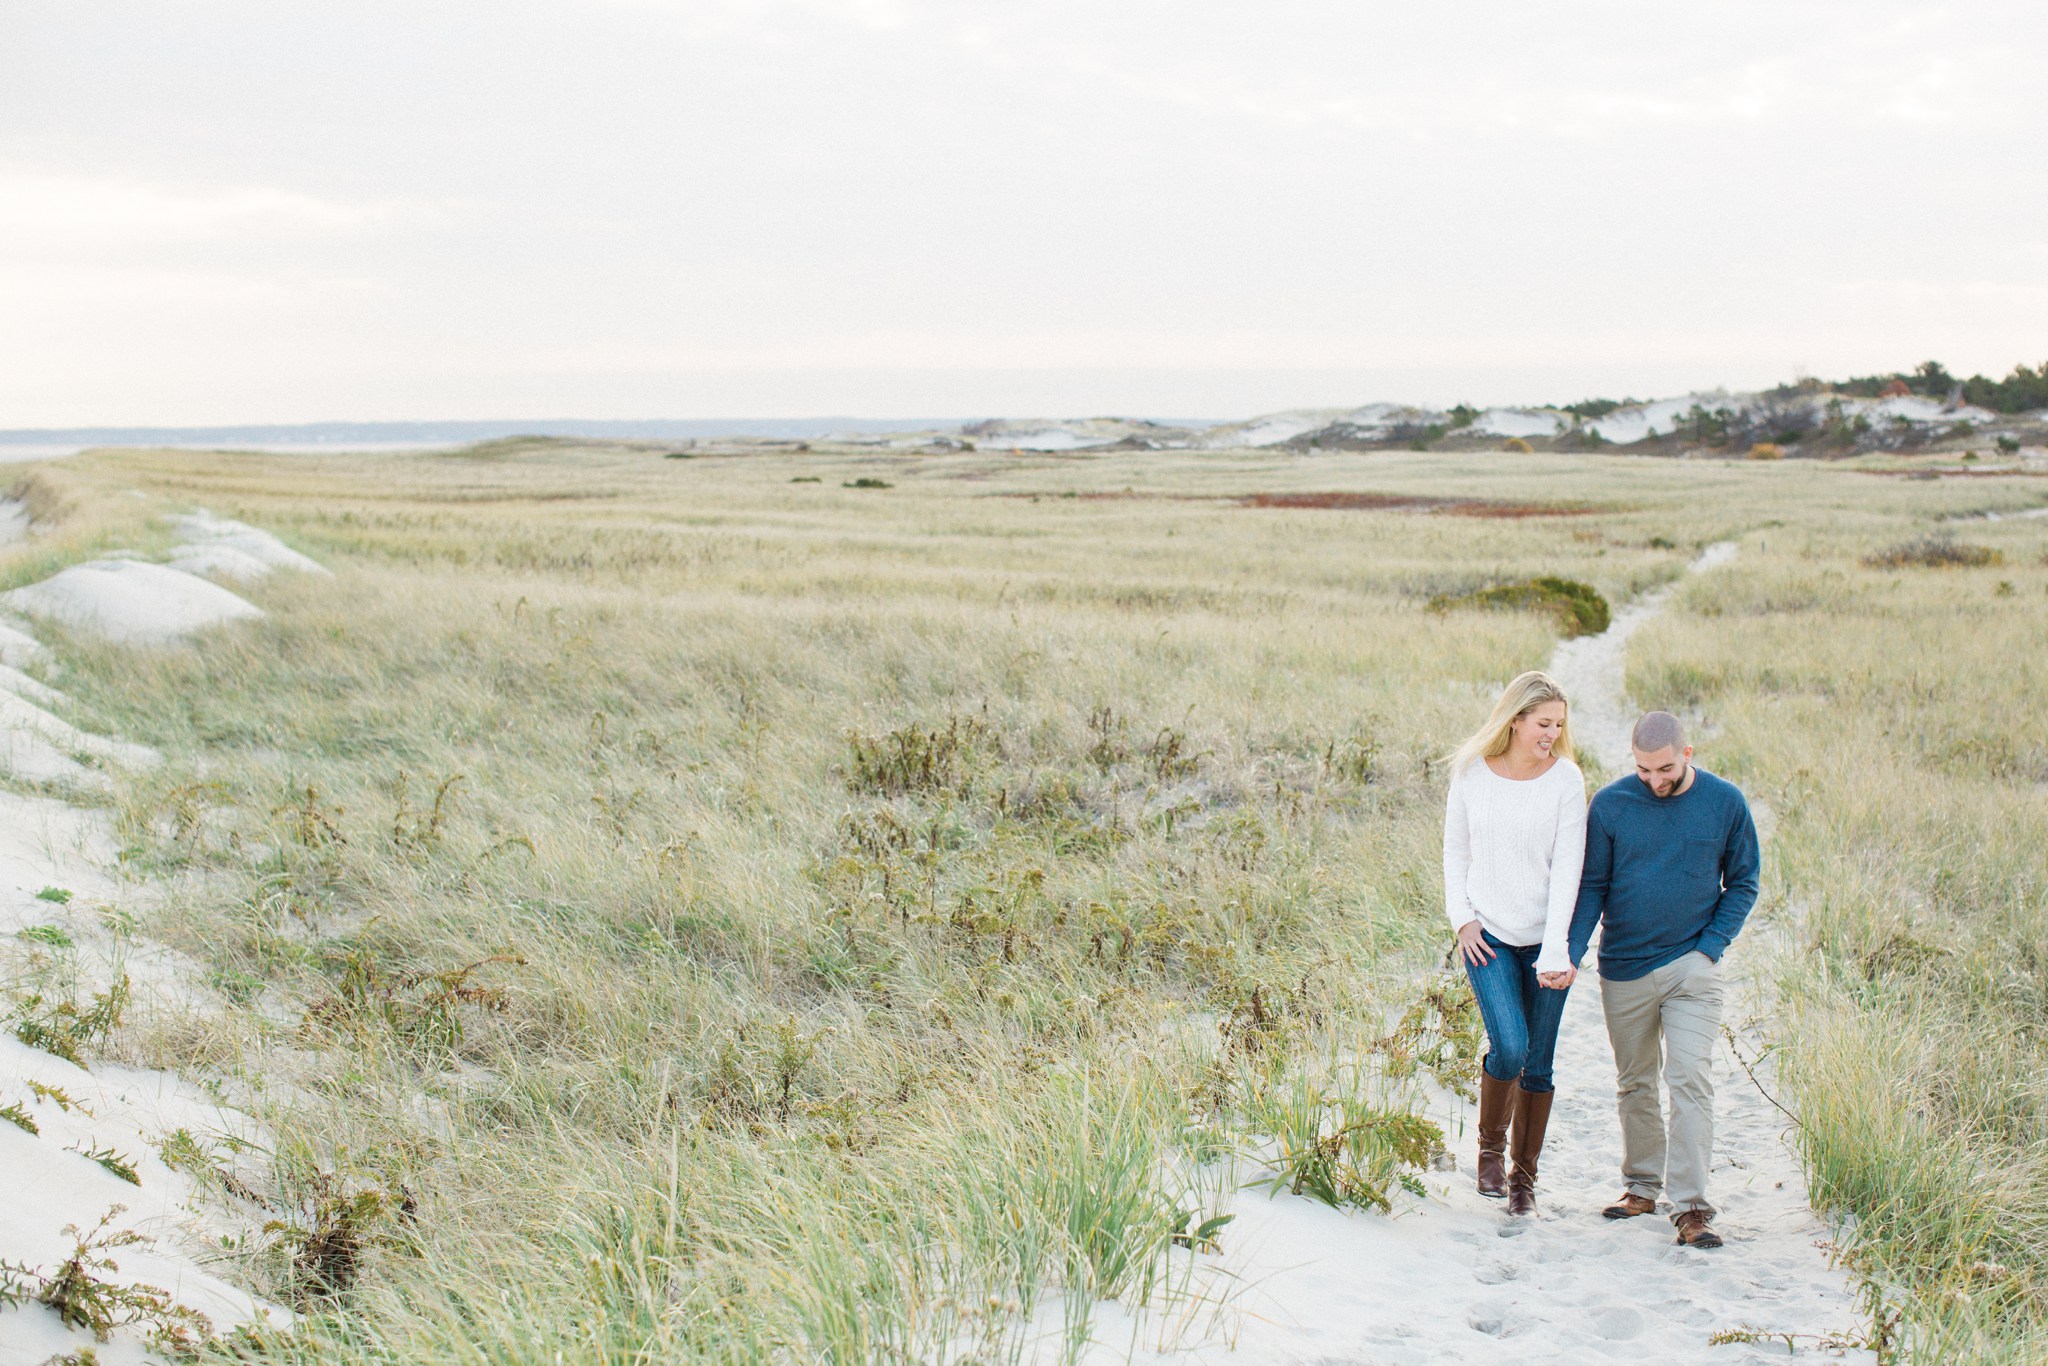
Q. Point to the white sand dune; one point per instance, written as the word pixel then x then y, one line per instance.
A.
pixel 50 1183
pixel 17 713
pixel 36 746
pixel 46 1180
pixel 17 647
pixel 131 602
pixel 1451 1278
pixel 35 690
pixel 218 562
pixel 1270 430
pixel 236 550
pixel 1519 421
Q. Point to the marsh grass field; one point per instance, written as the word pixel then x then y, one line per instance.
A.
pixel 703 909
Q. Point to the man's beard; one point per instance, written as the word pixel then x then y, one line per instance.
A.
pixel 1667 789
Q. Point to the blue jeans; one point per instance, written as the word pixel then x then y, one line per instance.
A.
pixel 1521 1016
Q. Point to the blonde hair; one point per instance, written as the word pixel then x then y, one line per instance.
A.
pixel 1526 693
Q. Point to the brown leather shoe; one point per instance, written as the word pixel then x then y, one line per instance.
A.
pixel 1525 1147
pixel 1693 1230
pixel 1629 1206
pixel 1496 1104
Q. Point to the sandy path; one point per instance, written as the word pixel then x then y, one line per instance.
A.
pixel 1452 1278
pixel 1594 672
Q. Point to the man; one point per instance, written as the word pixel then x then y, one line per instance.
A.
pixel 1671 874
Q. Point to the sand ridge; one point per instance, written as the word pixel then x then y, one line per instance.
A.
pixel 54 878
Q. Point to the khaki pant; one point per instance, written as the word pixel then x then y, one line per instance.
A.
pixel 1669 1018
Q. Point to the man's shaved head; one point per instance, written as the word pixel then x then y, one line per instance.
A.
pixel 1663 759
pixel 1658 730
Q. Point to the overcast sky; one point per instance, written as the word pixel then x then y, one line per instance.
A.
pixel 276 211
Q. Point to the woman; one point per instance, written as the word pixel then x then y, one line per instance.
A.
pixel 1514 842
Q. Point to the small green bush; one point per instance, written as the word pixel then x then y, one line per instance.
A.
pixel 2008 445
pixel 1578 607
pixel 66 1028
pixel 866 482
pixel 1933 552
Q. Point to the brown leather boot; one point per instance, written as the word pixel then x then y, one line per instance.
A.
pixel 1629 1206
pixel 1694 1230
pixel 1525 1145
pixel 1496 1106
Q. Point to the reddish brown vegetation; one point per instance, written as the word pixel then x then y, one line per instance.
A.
pixel 1337 500
pixel 1957 474
pixel 1373 502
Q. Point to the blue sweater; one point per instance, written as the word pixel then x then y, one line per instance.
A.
pixel 1665 875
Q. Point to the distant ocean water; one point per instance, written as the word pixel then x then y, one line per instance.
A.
pixel 326 438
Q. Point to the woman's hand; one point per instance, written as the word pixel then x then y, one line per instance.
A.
pixel 1472 945
pixel 1557 981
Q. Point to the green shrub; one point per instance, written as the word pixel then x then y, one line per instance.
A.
pixel 1340 1149
pixel 86 1297
pixel 917 759
pixel 1578 607
pixel 1933 552
pixel 64 1027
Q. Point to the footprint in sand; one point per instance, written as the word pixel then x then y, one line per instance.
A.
pixel 1618 1323
pixel 1495 1318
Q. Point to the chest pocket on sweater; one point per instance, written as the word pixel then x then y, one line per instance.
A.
pixel 1703 861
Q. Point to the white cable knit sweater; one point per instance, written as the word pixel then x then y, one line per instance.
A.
pixel 1513 852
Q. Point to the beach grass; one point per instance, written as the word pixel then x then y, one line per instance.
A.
pixel 1888 709
pixel 665 911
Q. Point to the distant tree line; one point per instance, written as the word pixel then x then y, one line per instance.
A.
pixel 2021 391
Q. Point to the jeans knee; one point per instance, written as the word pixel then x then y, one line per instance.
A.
pixel 1505 1059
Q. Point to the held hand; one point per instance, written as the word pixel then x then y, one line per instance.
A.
pixel 1472 947
pixel 1557 980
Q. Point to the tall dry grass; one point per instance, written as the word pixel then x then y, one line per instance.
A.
pixel 669 912
pixel 1892 718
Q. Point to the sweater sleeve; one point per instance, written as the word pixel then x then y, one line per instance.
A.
pixel 1741 863
pixel 1567 859
pixel 1595 874
pixel 1457 856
